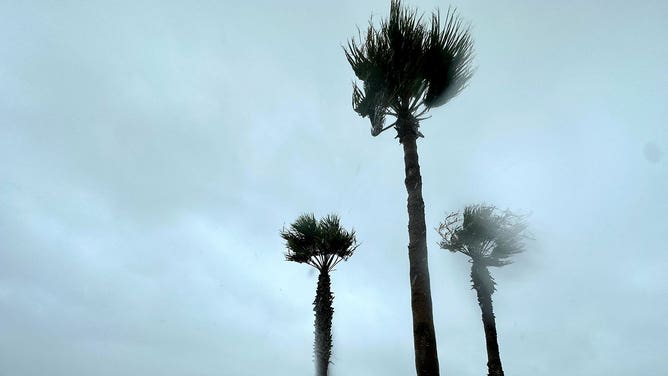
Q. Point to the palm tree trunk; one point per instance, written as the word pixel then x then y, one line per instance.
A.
pixel 323 323
pixel 484 286
pixel 424 338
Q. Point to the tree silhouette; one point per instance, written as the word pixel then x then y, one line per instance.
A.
pixel 321 244
pixel 489 238
pixel 406 68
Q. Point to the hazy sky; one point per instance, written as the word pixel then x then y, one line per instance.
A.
pixel 151 152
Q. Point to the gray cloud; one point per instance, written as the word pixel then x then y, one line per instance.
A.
pixel 152 151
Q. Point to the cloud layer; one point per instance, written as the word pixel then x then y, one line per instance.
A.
pixel 152 151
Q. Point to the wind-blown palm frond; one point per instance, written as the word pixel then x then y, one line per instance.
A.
pixel 335 239
pixel 447 60
pixel 406 64
pixel 509 239
pixel 484 234
pixel 321 244
pixel 301 238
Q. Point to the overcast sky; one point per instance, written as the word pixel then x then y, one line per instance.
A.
pixel 150 152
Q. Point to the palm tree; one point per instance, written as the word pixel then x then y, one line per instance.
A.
pixel 406 68
pixel 489 238
pixel 321 244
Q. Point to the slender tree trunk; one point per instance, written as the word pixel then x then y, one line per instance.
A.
pixel 324 311
pixel 424 338
pixel 484 286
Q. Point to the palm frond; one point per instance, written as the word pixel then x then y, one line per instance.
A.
pixel 371 107
pixel 449 231
pixel 320 243
pixel 482 233
pixel 510 239
pixel 403 33
pixel 447 60
pixel 301 239
pixel 405 63
pixel 334 239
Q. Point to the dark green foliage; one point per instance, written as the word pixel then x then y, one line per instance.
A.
pixel 407 67
pixel 301 239
pixel 485 234
pixel 448 55
pixel 321 244
pixel 334 239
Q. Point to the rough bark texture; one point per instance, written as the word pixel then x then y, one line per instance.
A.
pixel 323 323
pixel 484 286
pixel 426 357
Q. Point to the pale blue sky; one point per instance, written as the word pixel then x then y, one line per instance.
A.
pixel 152 151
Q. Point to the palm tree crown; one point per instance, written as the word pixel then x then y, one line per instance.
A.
pixel 407 67
pixel 485 234
pixel 321 244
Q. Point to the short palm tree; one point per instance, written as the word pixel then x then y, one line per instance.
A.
pixel 321 244
pixel 406 68
pixel 490 238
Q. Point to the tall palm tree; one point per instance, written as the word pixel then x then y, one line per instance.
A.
pixel 321 244
pixel 489 238
pixel 407 67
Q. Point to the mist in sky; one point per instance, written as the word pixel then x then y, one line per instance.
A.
pixel 152 151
